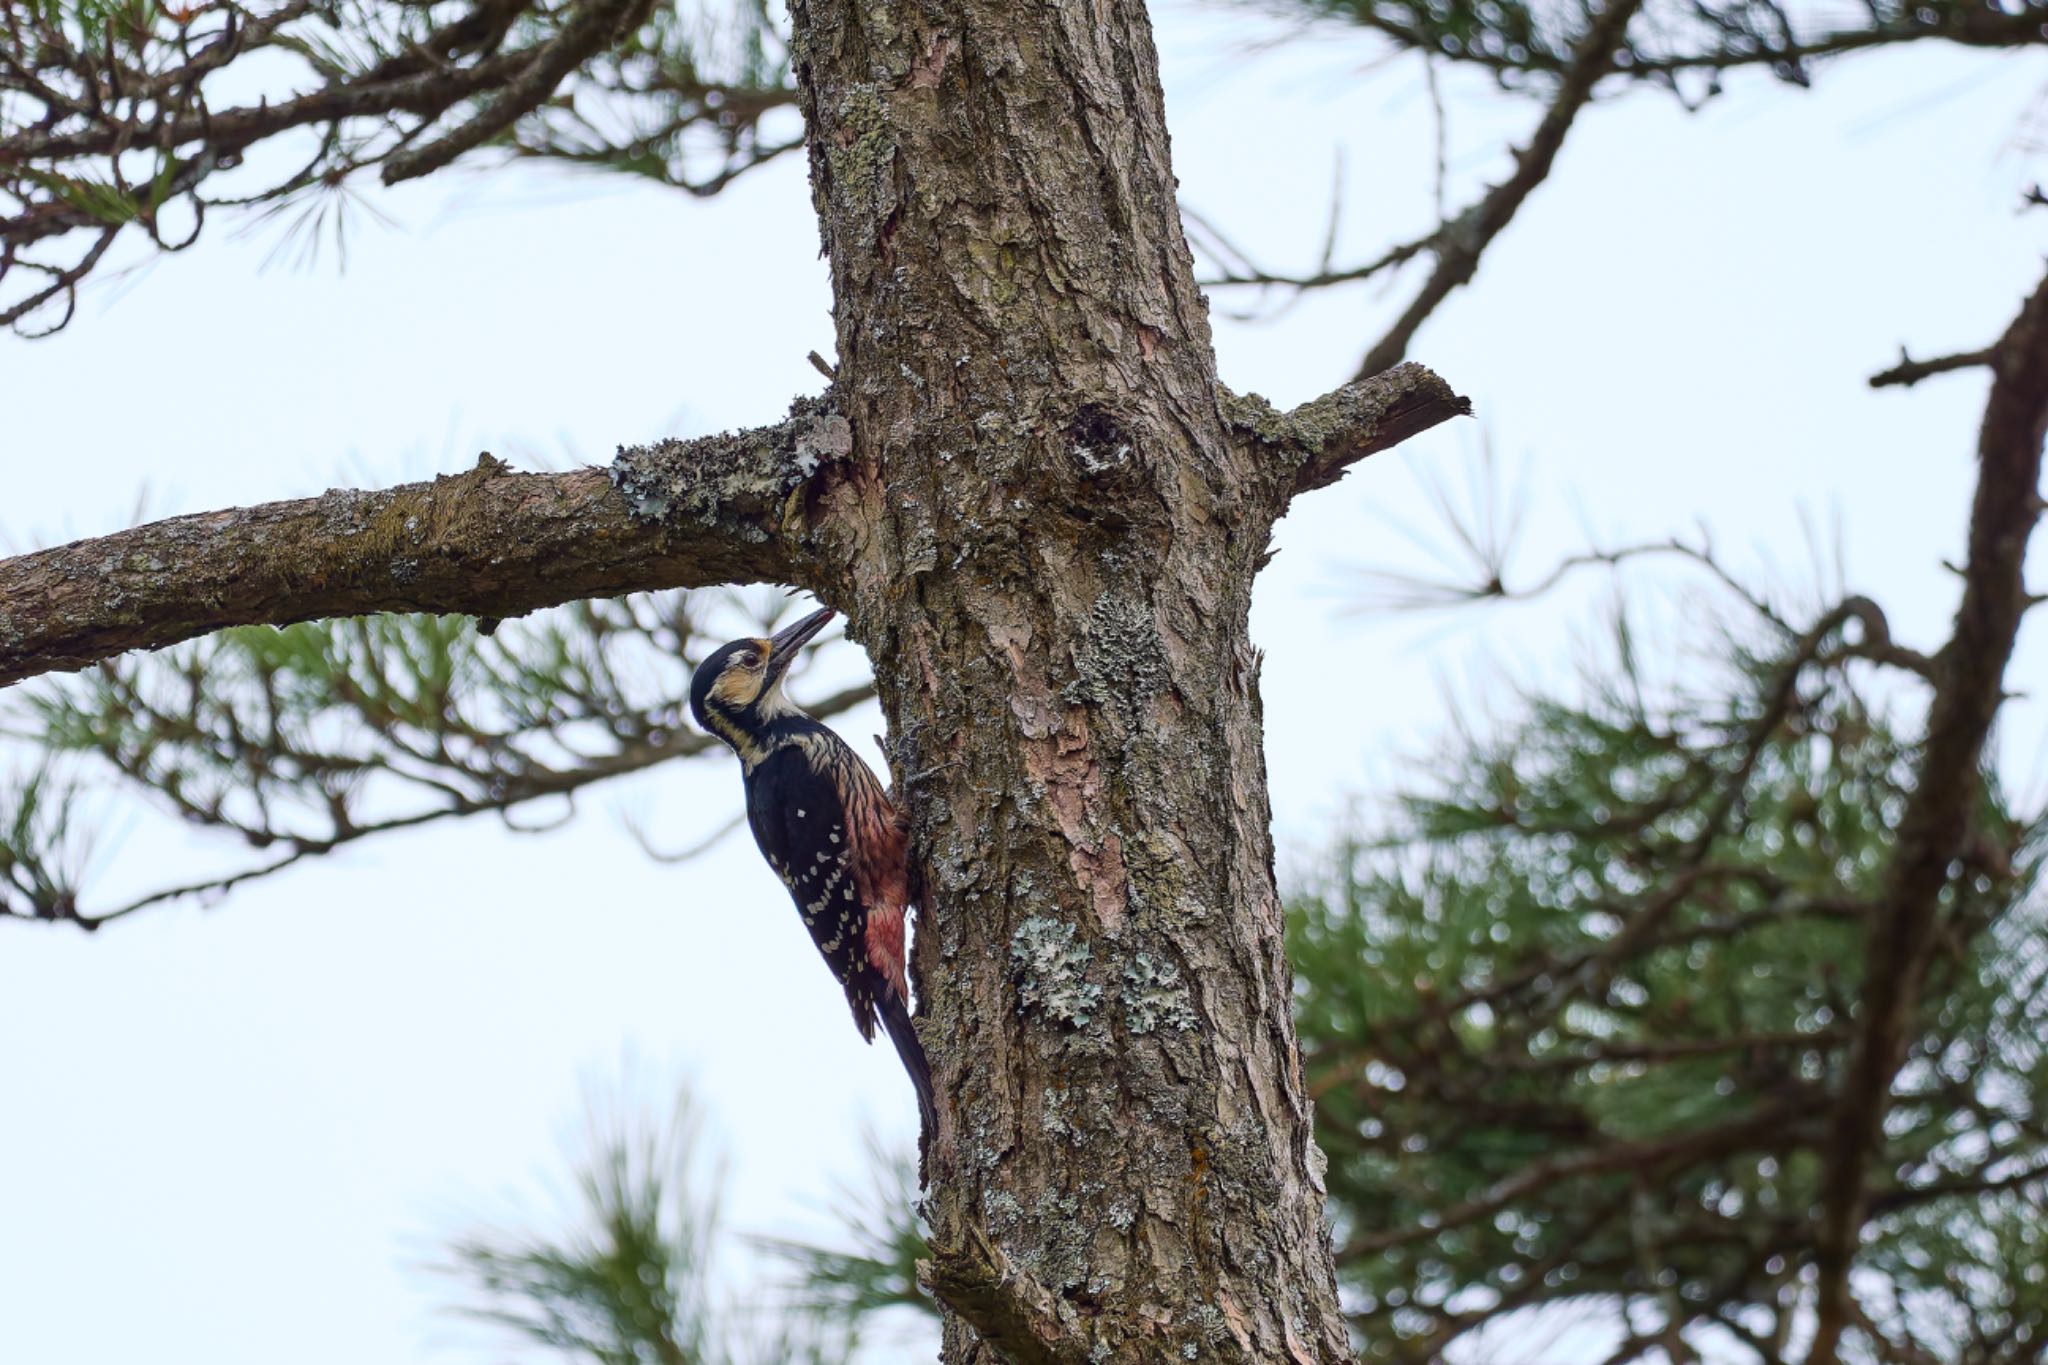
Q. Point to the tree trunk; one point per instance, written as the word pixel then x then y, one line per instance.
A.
pixel 1043 517
pixel 1049 532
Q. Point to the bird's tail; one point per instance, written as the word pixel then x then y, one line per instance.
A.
pixel 896 1018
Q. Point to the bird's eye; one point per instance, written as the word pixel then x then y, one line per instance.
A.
pixel 751 657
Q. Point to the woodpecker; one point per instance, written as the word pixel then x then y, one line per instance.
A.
pixel 827 828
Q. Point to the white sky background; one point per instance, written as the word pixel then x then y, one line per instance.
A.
pixel 226 1136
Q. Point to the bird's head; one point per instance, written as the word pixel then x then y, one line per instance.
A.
pixel 737 691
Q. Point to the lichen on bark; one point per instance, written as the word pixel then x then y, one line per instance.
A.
pixel 1058 528
pixel 1042 515
pixel 1052 972
pixel 737 482
pixel 1318 441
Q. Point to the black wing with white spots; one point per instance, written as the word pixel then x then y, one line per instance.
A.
pixel 800 823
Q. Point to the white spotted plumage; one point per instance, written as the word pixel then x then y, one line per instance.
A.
pixel 808 793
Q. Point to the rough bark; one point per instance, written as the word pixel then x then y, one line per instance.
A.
pixel 493 544
pixel 1050 529
pixel 490 543
pixel 1043 517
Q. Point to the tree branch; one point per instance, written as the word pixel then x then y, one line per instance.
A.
pixel 490 543
pixel 1006 1308
pixel 1325 436
pixel 1763 1125
pixel 1238 270
pixel 1460 244
pixel 112 126
pixel 1936 823
pixel 600 23
pixel 62 905
pixel 1909 371
pixel 1726 41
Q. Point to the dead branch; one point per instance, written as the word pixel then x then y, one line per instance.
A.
pixel 1324 437
pixel 1909 371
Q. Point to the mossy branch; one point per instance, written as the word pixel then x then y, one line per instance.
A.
pixel 489 543
pixel 1320 440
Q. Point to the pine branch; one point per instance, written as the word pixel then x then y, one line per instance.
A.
pixel 1624 926
pixel 110 128
pixel 1757 1128
pixel 489 543
pixel 302 742
pixel 1460 244
pixel 1909 371
pixel 1315 444
pixel 1936 824
pixel 1703 39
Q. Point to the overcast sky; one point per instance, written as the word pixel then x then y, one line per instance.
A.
pixel 229 1136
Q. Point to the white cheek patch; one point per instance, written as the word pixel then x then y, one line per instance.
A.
pixel 776 703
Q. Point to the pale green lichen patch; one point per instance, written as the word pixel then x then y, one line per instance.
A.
pixel 1052 971
pixel 1211 1323
pixel 1060 1258
pixel 1346 423
pixel 738 481
pixel 1249 414
pixel 1055 1112
pixel 1154 996
pixel 859 150
pixel 1123 660
pixel 1294 436
pixel 1000 1209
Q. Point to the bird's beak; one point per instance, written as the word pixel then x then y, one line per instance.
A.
pixel 784 645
